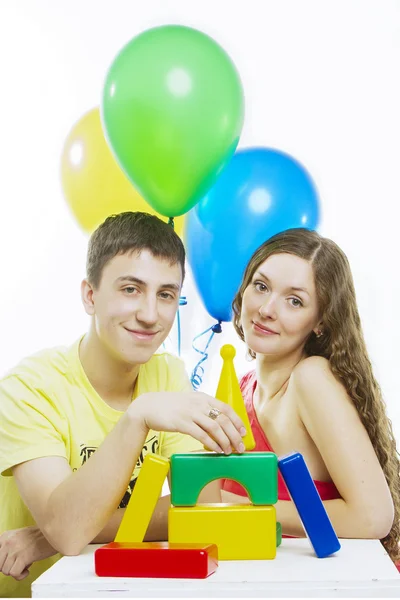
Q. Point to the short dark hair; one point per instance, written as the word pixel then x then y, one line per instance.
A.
pixel 130 231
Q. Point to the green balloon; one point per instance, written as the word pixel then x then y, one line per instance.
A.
pixel 172 111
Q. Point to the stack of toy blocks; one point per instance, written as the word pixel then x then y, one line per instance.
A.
pixel 199 535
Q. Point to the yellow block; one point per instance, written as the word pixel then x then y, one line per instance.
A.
pixel 228 391
pixel 241 532
pixel 143 500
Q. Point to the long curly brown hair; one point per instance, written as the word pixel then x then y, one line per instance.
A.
pixel 342 343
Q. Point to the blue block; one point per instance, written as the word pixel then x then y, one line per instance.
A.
pixel 309 505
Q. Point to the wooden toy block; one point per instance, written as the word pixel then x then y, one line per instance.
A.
pixel 156 559
pixel 309 505
pixel 256 471
pixel 241 532
pixel 278 534
pixel 228 391
pixel 143 500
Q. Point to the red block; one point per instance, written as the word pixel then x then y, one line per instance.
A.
pixel 156 559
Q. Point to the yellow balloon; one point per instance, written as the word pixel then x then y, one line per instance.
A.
pixel 94 185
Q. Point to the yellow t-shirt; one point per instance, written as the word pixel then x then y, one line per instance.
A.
pixel 49 408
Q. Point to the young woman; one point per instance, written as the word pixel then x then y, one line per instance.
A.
pixel 313 389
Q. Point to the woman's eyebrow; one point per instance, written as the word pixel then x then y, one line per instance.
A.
pixel 294 288
pixel 300 289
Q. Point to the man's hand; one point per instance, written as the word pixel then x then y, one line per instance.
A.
pixel 19 548
pixel 188 412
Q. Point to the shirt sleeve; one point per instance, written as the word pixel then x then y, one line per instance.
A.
pixel 30 425
pixel 180 381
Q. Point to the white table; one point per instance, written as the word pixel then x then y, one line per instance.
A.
pixel 360 569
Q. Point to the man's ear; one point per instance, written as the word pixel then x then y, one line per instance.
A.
pixel 87 297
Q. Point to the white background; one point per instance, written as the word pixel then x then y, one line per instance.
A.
pixel 321 81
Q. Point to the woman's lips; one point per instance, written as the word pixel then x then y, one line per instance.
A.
pixel 264 330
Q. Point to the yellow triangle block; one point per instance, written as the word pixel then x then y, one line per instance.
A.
pixel 143 499
pixel 228 391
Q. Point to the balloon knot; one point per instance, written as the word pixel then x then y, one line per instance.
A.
pixel 171 222
pixel 217 327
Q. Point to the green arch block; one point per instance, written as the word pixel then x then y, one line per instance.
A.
pixel 255 471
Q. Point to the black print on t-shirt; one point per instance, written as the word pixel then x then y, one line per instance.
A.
pixel 86 452
pixel 151 445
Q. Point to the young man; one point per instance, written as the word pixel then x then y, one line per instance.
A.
pixel 109 398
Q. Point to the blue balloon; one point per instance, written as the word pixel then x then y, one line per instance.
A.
pixel 259 193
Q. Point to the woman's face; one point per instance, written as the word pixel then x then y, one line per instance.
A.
pixel 279 309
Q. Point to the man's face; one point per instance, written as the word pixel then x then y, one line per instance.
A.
pixel 135 305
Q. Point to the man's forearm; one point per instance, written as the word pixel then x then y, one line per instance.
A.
pixel 158 530
pixel 82 505
pixel 37 547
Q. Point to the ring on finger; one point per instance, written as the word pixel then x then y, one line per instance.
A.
pixel 213 413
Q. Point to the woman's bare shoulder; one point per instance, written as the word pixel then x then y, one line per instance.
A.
pixel 313 376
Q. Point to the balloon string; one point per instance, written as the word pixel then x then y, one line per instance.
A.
pixel 198 372
pixel 182 302
pixel 171 222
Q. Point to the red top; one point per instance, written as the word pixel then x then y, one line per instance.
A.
pixel 326 489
